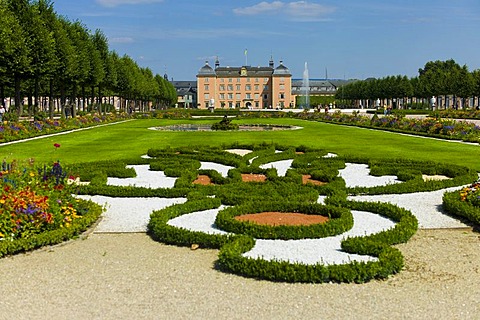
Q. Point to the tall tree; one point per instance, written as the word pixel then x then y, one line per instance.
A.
pixel 99 71
pixel 42 44
pixel 20 65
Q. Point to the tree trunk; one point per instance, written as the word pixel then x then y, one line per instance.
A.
pixel 84 98
pixel 30 101
pixel 2 94
pixel 50 100
pixel 63 99
pixel 36 94
pixel 18 102
pixel 73 106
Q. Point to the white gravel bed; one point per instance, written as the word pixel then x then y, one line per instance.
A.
pixel 330 155
pixel 145 178
pixel 282 166
pixel 240 152
pixel 326 251
pixel 128 214
pixel 220 168
pixel 202 221
pixel 358 175
pixel 426 206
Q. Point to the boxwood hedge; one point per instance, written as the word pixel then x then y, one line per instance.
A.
pixel 281 194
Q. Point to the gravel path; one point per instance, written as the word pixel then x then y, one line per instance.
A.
pixel 129 276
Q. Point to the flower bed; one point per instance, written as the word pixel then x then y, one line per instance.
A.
pixel 11 131
pixel 37 207
pixel 464 203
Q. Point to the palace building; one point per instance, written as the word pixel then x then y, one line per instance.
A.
pixel 244 87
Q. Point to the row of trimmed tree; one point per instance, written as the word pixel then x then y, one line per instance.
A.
pixel 436 79
pixel 43 54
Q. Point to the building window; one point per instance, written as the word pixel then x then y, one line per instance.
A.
pixel 248 79
pixel 248 96
pixel 230 87
pixel 238 79
pixel 281 96
pixel 265 80
pixel 222 87
pixel 222 96
pixel 265 96
pixel 257 104
pixel 230 96
pixel 265 87
pixel 230 104
pixel 222 80
pixel 282 87
pixel 248 87
pixel 237 104
pixel 257 87
pixel 238 96
pixel 257 96
pixel 256 79
pixel 206 96
pixel 282 79
pixel 206 87
pixel 230 80
pixel 238 87
pixel 206 80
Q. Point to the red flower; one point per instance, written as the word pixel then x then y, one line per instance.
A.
pixel 56 145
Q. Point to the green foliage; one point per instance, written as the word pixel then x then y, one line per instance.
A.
pixel 411 173
pixel 457 204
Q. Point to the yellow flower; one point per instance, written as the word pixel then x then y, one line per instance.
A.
pixel 2 201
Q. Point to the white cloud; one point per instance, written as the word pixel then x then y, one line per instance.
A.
pixel 297 10
pixel 114 3
pixel 261 8
pixel 304 10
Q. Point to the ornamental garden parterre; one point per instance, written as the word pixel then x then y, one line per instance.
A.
pixel 368 255
pixel 44 204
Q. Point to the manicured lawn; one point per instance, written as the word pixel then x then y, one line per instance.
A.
pixel 133 139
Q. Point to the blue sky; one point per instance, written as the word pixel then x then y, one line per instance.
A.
pixel 346 39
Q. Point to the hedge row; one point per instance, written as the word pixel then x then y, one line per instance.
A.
pixel 390 260
pixel 159 229
pixel 453 204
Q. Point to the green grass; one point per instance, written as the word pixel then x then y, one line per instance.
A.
pixel 133 139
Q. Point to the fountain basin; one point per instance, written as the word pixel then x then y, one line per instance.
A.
pixel 207 127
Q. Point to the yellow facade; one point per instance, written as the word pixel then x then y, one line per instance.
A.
pixel 244 87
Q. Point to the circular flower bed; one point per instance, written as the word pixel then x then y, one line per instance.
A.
pixel 341 220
